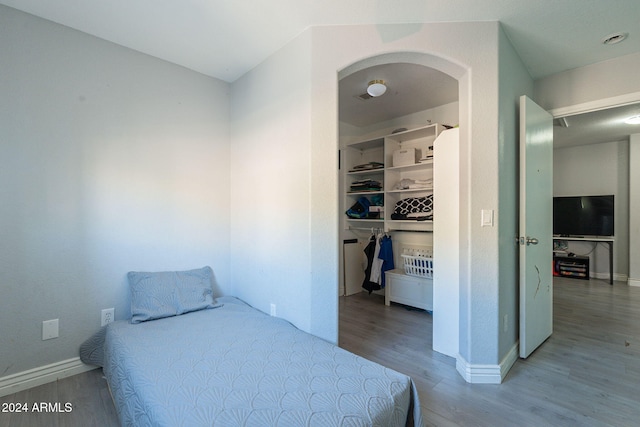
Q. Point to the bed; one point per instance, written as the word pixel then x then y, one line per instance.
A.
pixel 225 363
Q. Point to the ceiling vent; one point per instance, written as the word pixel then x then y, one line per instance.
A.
pixel 561 122
pixel 614 38
pixel 363 97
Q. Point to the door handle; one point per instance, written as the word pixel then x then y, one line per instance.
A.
pixel 532 241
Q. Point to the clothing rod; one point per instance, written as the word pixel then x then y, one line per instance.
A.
pixel 412 231
pixel 370 229
pixel 378 228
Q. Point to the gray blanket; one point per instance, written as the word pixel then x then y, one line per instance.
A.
pixel 236 366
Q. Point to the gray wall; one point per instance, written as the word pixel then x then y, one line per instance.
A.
pixel 110 161
pixel 114 161
pixel 270 176
pixel 514 82
pixel 471 50
pixel 592 87
pixel 598 169
pixel 634 206
pixel 585 85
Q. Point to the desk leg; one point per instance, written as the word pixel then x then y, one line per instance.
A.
pixel 610 263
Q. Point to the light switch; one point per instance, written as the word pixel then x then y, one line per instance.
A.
pixel 487 218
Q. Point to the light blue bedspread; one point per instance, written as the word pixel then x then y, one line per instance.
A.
pixel 236 366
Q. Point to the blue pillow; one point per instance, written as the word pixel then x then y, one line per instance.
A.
pixel 169 293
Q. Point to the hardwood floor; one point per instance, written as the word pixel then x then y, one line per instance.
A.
pixel 586 374
pixel 87 393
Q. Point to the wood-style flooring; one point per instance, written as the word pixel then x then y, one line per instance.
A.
pixel 91 404
pixel 586 374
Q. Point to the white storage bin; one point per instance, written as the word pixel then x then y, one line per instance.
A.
pixel 408 290
pixel 418 262
pixel 404 157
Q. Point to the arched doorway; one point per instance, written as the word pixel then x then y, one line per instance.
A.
pixel 410 77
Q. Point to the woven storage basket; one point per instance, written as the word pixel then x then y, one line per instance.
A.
pixel 418 262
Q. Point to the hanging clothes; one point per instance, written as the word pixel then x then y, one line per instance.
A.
pixel 386 255
pixel 376 265
pixel 369 251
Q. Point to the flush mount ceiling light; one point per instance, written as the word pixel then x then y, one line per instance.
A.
pixel 634 120
pixel 376 88
pixel 614 38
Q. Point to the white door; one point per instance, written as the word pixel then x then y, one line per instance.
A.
pixel 536 221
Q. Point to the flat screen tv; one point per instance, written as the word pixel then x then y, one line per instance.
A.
pixel 583 216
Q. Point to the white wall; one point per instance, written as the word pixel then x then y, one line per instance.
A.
pixel 598 169
pixel 469 52
pixel 110 161
pixel 446 251
pixel 139 152
pixel 514 82
pixel 634 206
pixel 596 86
pixel 444 114
pixel 616 78
pixel 271 179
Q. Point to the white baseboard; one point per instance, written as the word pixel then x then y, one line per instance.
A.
pixel 42 375
pixel 633 282
pixel 487 374
pixel 605 276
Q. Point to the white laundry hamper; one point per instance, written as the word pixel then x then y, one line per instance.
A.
pixel 418 262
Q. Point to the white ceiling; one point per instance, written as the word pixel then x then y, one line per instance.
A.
pixel 410 88
pixel 227 38
pixel 594 127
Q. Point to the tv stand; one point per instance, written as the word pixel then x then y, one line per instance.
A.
pixel 608 240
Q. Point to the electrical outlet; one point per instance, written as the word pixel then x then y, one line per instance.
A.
pixel 49 329
pixel 108 315
pixel 273 309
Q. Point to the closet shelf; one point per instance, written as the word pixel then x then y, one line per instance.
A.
pixel 366 172
pixel 416 166
pixel 411 190
pixel 379 151
pixel 357 193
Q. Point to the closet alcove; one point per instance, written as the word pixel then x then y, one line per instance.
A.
pixel 420 103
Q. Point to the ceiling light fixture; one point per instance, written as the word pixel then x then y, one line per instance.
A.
pixel 634 120
pixel 614 38
pixel 376 88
